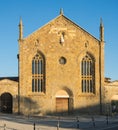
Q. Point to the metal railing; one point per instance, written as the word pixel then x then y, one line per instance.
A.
pixel 62 123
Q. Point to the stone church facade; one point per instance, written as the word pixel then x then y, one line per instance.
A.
pixel 61 70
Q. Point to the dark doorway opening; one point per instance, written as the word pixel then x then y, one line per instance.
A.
pixel 6 103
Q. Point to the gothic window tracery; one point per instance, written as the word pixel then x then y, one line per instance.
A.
pixel 38 73
pixel 87 74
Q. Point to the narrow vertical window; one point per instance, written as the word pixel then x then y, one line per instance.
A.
pixel 38 73
pixel 87 74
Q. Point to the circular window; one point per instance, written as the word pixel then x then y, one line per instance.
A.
pixel 62 60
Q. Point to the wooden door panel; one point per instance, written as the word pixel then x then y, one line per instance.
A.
pixel 62 104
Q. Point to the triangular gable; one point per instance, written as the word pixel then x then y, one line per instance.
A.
pixel 67 19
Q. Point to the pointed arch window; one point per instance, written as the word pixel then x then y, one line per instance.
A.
pixel 38 73
pixel 88 74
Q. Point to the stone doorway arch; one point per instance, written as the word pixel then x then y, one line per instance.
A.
pixel 6 103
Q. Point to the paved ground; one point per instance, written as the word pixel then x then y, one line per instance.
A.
pixel 84 122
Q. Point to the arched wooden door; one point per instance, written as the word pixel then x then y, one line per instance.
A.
pixel 6 103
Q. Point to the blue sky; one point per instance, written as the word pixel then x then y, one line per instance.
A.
pixel 36 13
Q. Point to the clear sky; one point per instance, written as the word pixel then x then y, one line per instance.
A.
pixel 36 13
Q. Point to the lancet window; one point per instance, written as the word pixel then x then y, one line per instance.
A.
pixel 88 74
pixel 38 73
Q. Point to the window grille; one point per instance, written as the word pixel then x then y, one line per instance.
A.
pixel 38 73
pixel 87 74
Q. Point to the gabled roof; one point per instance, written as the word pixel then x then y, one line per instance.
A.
pixel 62 15
pixel 79 26
pixel 10 78
pixel 112 83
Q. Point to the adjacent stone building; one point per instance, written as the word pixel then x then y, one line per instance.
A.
pixel 9 94
pixel 111 96
pixel 61 70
